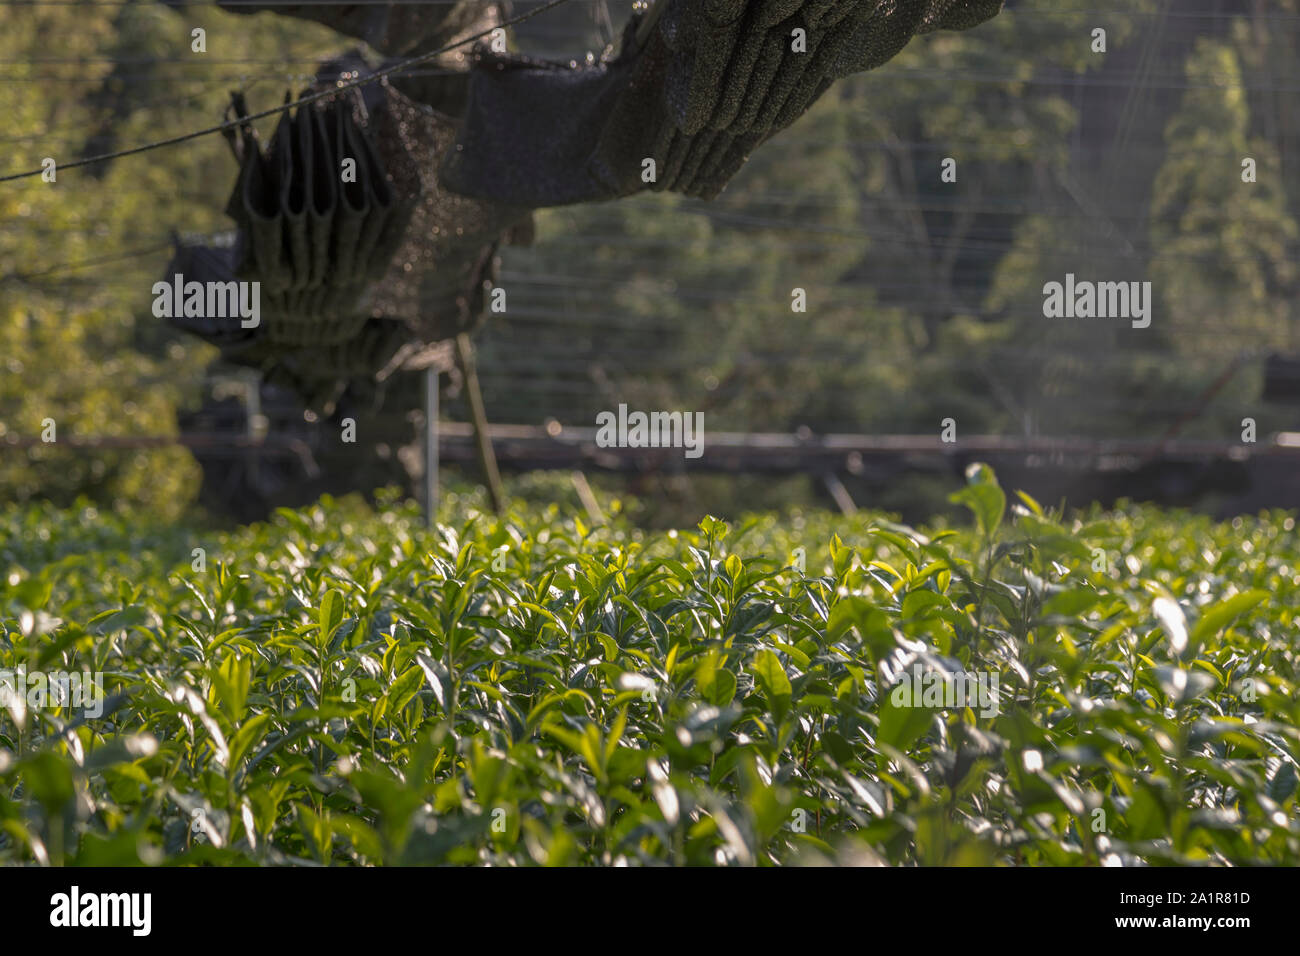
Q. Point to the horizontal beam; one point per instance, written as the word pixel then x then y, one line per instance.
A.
pixel 527 447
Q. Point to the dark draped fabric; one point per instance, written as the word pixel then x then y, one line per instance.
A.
pixel 359 278
pixel 696 87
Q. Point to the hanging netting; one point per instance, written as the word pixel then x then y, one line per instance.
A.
pixel 695 87
pixel 372 219
pixel 365 263
pixel 436 280
pixel 320 214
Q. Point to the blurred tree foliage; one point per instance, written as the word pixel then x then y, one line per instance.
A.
pixel 1223 244
pixel 925 296
pixel 78 257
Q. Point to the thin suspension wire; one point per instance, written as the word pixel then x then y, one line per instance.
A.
pixel 399 67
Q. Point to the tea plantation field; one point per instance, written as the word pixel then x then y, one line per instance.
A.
pixel 341 686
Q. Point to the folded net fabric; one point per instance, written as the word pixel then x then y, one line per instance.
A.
pixel 320 214
pixel 696 86
pixel 457 165
pixel 361 275
pixel 436 279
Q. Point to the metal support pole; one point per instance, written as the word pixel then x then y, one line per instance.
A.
pixel 839 493
pixel 587 497
pixel 430 500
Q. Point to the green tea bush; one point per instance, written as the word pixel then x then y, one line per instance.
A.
pixel 341 686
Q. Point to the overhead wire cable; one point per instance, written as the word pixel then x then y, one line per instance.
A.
pixel 341 87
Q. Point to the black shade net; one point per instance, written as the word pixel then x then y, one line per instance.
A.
pixel 366 272
pixel 696 86
pixel 320 215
